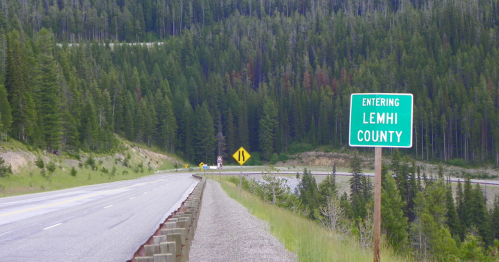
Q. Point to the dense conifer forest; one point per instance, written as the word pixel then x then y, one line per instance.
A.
pixel 260 74
pixel 271 76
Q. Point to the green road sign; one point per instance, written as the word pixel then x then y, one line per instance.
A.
pixel 381 120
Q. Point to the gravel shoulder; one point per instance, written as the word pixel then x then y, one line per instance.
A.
pixel 228 232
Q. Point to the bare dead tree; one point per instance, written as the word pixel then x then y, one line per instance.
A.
pixel 274 186
pixel 333 215
pixel 366 228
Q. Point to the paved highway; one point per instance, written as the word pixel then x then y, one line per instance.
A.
pixel 105 222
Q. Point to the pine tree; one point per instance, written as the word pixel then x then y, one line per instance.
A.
pixel 466 208
pixel 89 130
pixel 5 111
pixel 327 190
pixel 268 128
pixel 18 89
pixel 309 194
pixel 242 127
pixel 480 216
pixel 128 123
pixel 231 135
pixel 494 219
pixel 70 135
pixel 50 106
pixel 452 217
pixel 392 206
pixel 204 136
pixel 171 125
pixel 359 189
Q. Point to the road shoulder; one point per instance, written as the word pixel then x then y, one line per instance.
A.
pixel 228 232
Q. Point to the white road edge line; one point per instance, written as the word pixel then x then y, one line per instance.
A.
pixel 108 206
pixel 52 226
pixel 132 198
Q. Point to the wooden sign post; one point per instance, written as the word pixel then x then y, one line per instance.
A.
pixel 377 201
pixel 380 120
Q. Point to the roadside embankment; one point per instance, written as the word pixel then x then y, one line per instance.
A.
pixel 36 171
pixel 228 232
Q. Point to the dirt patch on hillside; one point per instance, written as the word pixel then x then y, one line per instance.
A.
pixel 323 159
pixel 327 159
pixel 17 160
pixel 153 157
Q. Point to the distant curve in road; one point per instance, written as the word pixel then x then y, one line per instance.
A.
pixel 104 222
pixel 452 179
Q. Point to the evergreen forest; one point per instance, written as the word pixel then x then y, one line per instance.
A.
pixel 201 78
pixel 265 75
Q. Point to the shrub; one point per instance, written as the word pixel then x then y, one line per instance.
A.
pixel 255 159
pixel 457 162
pixel 91 162
pixel 104 170
pixel 74 155
pixel 39 162
pixel 299 147
pixel 273 159
pixel 283 157
pixel 73 171
pixel 4 168
pixel 51 167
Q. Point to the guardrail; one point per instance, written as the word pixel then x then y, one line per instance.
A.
pixel 172 240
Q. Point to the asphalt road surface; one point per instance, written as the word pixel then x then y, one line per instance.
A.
pixel 105 222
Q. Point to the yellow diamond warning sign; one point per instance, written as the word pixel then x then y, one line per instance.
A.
pixel 241 156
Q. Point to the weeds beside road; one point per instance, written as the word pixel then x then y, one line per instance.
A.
pixel 309 240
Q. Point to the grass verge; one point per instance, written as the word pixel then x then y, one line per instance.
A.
pixel 309 240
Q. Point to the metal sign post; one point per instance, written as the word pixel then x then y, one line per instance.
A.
pixel 380 120
pixel 205 166
pixel 219 165
pixel 241 156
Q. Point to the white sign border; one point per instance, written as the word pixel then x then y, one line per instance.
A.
pixel 397 94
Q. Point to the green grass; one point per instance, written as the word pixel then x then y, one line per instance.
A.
pixel 30 180
pixel 306 238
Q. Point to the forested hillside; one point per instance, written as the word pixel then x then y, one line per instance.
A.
pixel 262 74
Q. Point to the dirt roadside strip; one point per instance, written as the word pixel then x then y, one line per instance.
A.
pixel 228 232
